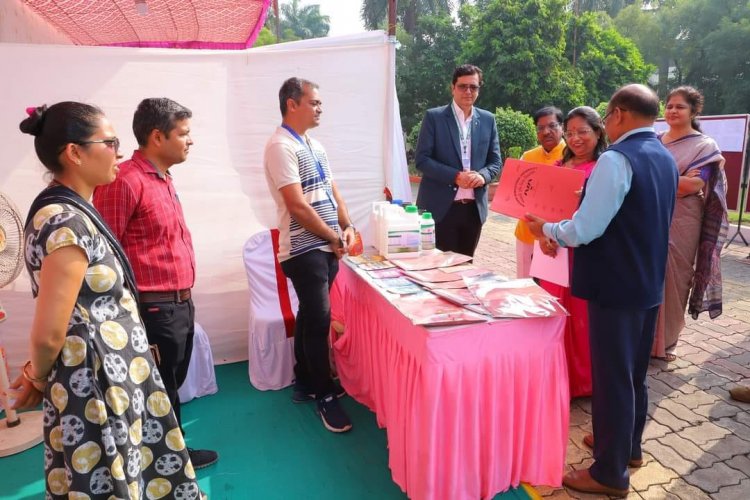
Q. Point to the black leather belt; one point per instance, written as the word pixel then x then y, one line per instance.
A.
pixel 171 296
pixel 465 201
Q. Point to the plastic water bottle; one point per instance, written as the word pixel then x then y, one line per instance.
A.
pixel 412 212
pixel 427 232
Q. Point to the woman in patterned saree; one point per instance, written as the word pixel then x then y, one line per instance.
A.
pixel 699 224
pixel 109 429
pixel 585 141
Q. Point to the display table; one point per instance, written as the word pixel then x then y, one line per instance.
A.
pixel 469 411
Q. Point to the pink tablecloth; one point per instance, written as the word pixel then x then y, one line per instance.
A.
pixel 470 411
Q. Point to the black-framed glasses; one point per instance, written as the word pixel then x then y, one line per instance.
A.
pixel 550 126
pixel 463 87
pixel 113 143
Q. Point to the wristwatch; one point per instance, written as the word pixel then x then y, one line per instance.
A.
pixel 349 226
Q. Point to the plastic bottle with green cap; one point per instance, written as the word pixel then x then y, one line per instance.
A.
pixel 427 232
pixel 412 212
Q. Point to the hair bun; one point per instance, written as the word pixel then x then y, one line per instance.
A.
pixel 35 121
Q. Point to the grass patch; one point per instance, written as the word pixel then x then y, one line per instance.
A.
pixel 734 216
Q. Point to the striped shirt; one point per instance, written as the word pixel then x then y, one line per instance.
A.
pixel 142 209
pixel 287 161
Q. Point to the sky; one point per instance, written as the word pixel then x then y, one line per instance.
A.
pixel 344 15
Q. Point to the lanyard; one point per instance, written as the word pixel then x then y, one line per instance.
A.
pixel 318 166
pixel 465 140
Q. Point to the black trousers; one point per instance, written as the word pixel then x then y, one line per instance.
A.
pixel 621 341
pixel 171 326
pixel 312 275
pixel 459 230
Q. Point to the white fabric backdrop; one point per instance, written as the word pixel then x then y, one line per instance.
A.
pixel 234 99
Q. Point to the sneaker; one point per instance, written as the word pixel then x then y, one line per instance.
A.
pixel 202 458
pixel 302 394
pixel 333 415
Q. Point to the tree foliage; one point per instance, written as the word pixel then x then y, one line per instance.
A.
pixel 614 7
pixel 374 13
pixel 265 37
pixel 605 60
pixel 515 130
pixel 711 52
pixel 520 45
pixel 424 65
pixel 704 44
pixel 655 34
pixel 525 49
pixel 296 22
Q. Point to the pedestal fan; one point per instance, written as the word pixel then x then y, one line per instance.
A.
pixel 18 432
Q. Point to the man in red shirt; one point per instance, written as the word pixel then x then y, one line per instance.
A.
pixel 142 209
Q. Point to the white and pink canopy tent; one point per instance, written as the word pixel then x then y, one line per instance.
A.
pixel 93 51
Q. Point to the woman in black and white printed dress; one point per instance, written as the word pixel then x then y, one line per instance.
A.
pixel 109 428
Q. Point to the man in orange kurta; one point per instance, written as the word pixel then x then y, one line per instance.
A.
pixel 548 121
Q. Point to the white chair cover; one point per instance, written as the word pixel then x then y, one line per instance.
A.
pixel 201 378
pixel 273 305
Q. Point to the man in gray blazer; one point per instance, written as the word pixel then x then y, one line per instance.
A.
pixel 458 153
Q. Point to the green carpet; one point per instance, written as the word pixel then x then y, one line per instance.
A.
pixel 269 448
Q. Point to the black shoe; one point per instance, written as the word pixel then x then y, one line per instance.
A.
pixel 202 458
pixel 302 394
pixel 333 415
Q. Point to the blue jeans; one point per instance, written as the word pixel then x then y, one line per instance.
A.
pixel 312 274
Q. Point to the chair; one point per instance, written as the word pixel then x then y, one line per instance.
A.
pixel 201 378
pixel 273 305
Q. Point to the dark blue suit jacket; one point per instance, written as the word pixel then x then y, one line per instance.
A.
pixel 439 158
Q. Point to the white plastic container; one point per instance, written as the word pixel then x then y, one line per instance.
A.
pixel 390 214
pixel 427 233
pixel 374 232
pixel 401 232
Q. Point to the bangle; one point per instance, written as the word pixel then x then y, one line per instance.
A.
pixel 350 225
pixel 28 377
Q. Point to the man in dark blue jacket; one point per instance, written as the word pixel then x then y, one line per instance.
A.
pixel 621 232
pixel 458 153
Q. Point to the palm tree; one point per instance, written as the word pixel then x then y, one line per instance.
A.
pixel 300 22
pixel 375 12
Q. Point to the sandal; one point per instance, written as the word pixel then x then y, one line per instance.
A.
pixel 669 357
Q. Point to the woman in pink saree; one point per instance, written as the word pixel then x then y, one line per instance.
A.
pixel 585 142
pixel 699 224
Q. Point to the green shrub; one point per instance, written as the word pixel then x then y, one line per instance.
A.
pixel 514 152
pixel 516 130
pixel 601 108
pixel 412 136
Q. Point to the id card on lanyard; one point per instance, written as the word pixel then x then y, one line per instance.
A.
pixel 318 166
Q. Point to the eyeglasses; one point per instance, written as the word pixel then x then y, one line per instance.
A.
pixel 463 87
pixel 551 127
pixel 581 132
pixel 609 113
pixel 113 143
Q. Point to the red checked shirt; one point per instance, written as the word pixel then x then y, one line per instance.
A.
pixel 142 209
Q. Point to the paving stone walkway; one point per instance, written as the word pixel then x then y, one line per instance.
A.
pixel 697 439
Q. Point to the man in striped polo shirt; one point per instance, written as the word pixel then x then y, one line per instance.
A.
pixel 314 232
